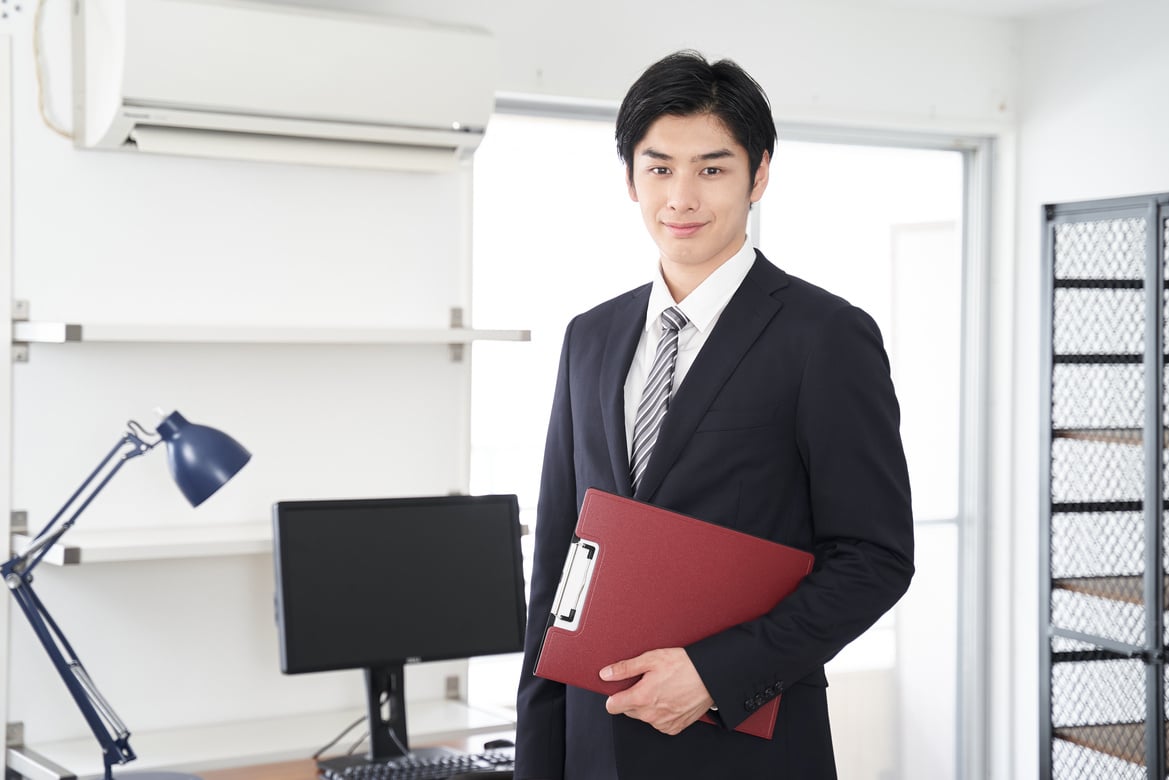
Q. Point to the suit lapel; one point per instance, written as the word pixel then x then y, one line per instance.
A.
pixel 749 311
pixel 620 344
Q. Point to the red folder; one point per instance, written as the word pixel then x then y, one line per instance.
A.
pixel 639 577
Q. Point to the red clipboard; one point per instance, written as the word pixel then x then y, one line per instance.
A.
pixel 639 577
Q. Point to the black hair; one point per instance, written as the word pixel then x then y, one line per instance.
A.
pixel 685 84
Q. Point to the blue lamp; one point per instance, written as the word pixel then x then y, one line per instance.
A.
pixel 202 460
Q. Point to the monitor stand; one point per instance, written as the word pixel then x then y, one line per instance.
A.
pixel 385 690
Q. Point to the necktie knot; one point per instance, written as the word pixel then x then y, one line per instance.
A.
pixel 673 319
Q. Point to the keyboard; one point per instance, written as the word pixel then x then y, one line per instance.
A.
pixel 429 764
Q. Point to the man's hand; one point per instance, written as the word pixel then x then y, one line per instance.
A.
pixel 669 696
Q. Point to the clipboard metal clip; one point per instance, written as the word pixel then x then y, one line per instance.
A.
pixel 574 584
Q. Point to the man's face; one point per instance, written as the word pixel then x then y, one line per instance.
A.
pixel 693 182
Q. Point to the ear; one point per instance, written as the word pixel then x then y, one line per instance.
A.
pixel 632 189
pixel 761 176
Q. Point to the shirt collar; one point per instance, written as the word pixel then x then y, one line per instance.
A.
pixel 706 302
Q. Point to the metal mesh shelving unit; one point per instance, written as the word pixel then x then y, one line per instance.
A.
pixel 1103 589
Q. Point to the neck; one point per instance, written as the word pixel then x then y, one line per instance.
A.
pixel 683 278
pixel 683 281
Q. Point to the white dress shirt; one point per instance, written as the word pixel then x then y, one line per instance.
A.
pixel 702 308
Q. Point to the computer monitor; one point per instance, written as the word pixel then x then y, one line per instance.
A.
pixel 375 584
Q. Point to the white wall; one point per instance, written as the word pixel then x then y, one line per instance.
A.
pixel 114 237
pixel 117 237
pixel 818 59
pixel 1094 120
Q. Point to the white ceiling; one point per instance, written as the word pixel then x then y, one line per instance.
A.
pixel 993 8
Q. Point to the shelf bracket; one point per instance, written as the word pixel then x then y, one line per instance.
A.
pixel 457 350
pixel 24 332
pixel 19 348
pixel 27 763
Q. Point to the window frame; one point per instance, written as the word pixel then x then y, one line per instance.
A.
pixel 977 152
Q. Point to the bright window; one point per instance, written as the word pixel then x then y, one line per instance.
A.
pixel 882 227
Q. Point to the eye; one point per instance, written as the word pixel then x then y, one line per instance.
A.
pixel 659 170
pixel 711 171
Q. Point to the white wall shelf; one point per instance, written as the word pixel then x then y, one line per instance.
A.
pixel 203 748
pixel 43 332
pixel 157 543
pixel 154 543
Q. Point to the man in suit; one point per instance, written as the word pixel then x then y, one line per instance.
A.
pixel 781 421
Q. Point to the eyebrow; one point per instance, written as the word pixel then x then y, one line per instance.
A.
pixel 719 154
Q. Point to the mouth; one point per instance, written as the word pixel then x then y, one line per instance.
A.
pixel 683 229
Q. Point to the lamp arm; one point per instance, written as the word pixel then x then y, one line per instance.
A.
pixel 39 547
pixel 107 727
pixel 105 724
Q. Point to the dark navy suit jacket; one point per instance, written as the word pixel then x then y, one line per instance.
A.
pixel 787 427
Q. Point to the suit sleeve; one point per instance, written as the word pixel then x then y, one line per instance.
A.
pixel 540 703
pixel 848 437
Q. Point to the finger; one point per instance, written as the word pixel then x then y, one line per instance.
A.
pixel 618 671
pixel 627 702
pixel 630 667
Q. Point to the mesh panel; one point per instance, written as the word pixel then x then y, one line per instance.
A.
pixel 1094 395
pixel 1091 470
pixel 1097 544
pixel 1060 644
pixel 1070 761
pixel 1101 705
pixel 1108 249
pixel 1096 563
pixel 1115 613
pixel 1098 321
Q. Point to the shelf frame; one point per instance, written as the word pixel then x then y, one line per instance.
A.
pixel 1148 589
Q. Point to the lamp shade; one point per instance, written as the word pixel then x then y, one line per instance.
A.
pixel 202 459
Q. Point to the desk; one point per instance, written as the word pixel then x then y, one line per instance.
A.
pixel 267 743
pixel 301 769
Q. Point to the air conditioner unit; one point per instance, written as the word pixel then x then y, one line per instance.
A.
pixel 259 81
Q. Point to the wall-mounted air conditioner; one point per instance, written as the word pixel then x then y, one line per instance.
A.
pixel 258 81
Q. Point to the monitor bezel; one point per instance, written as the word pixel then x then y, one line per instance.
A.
pixel 401 502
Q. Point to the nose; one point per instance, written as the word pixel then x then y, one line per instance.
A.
pixel 683 195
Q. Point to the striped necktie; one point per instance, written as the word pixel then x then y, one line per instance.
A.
pixel 656 397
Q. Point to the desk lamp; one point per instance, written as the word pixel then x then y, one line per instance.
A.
pixel 201 459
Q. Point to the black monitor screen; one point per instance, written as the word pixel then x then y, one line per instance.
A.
pixel 375 582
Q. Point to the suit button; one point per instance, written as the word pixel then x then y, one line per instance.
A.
pixel 750 705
